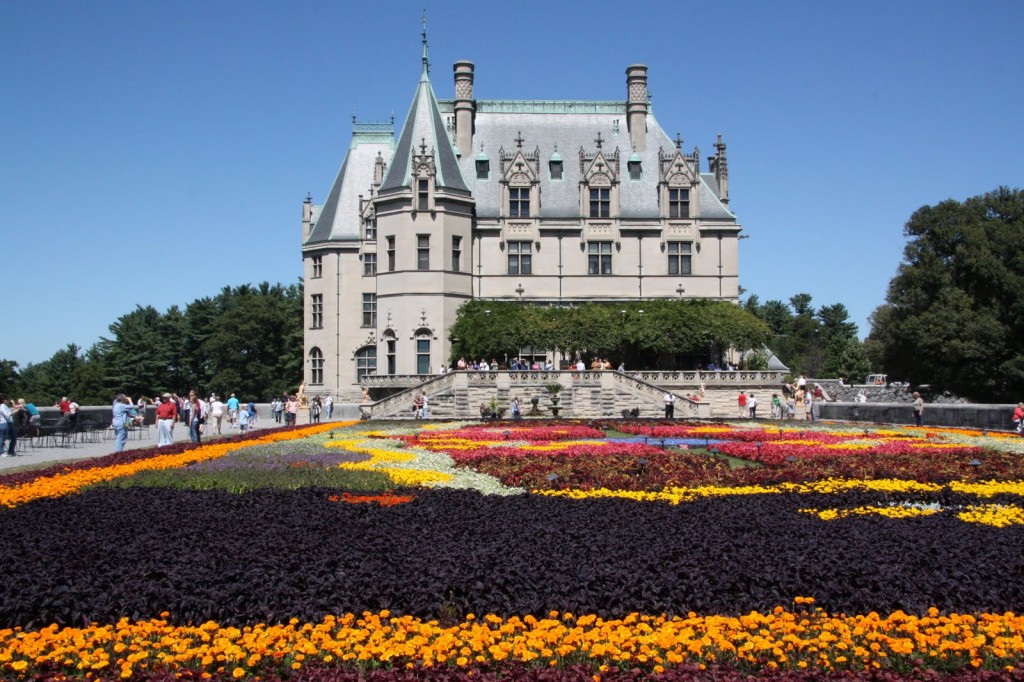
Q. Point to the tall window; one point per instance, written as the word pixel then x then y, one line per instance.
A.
pixel 422 195
pixel 369 310
pixel 317 308
pixel 483 169
pixel 519 202
pixel 679 258
pixel 635 170
pixel 318 267
pixel 423 252
pixel 678 203
pixel 316 366
pixel 366 361
pixel 520 258
pixel 457 253
pixel 391 344
pixel 370 227
pixel 391 254
pixel 369 264
pixel 555 167
pixel 599 258
pixel 423 356
pixel 600 202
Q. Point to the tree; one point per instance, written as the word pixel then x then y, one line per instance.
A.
pixel 954 312
pixel 8 376
pixel 138 357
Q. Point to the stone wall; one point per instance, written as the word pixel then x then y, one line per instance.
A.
pixel 992 417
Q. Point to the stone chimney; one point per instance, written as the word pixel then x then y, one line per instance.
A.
pixel 307 216
pixel 720 167
pixel 465 109
pixel 636 105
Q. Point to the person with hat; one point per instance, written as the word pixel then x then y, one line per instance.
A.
pixel 166 413
pixel 233 410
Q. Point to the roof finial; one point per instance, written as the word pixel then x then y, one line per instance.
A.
pixel 426 61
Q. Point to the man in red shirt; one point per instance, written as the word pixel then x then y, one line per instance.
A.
pixel 743 404
pixel 166 413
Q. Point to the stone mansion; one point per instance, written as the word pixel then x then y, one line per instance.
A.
pixel 541 202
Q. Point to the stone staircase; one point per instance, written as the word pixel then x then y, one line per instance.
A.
pixel 585 395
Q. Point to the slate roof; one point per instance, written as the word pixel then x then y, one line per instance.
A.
pixel 338 218
pixel 570 126
pixel 556 129
pixel 424 126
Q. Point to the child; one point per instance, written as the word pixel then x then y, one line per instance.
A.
pixel 243 421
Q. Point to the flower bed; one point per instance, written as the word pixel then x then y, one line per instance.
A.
pixel 676 565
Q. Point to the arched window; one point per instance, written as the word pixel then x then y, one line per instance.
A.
pixel 391 346
pixel 423 352
pixel 316 366
pixel 366 361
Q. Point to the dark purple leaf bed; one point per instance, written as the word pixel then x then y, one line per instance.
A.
pixel 272 555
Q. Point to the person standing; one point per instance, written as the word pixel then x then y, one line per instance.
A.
pixel 124 414
pixel 291 409
pixel 8 427
pixel 217 409
pixel 243 421
pixel 918 408
pixel 314 410
pixel 250 407
pixel 776 406
pixel 195 423
pixel 742 402
pixel 417 406
pixel 752 405
pixel 670 405
pixel 517 409
pixel 425 410
pixel 329 405
pixel 233 410
pixel 166 413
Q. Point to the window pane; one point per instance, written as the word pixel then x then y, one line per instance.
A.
pixel 526 264
pixel 513 264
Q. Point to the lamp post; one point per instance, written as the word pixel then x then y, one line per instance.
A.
pixel 520 290
pixel 680 290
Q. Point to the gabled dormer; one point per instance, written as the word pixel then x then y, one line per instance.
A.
pixel 520 182
pixel 599 182
pixel 679 183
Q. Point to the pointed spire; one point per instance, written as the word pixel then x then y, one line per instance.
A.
pixel 426 60
pixel 424 130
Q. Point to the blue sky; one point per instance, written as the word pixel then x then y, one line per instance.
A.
pixel 154 152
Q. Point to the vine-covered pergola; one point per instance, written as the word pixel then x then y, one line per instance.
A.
pixel 655 334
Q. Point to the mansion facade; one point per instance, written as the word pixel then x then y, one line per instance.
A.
pixel 540 202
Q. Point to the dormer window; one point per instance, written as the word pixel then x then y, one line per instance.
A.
pixel 483 169
pixel 678 203
pixel 519 202
pixel 600 202
pixel 555 168
pixel 635 171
